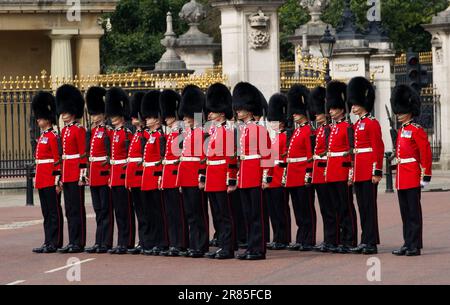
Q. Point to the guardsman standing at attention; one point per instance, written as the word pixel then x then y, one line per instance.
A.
pixel 48 172
pixel 169 101
pixel 156 238
pixel 299 170
pixel 99 147
pixel 414 162
pixel 118 110
pixel 190 167
pixel 254 170
pixel 220 178
pixel 133 175
pixel 70 104
pixel 327 209
pixel 339 162
pixel 277 196
pixel 368 162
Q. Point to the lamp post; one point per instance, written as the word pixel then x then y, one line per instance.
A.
pixel 327 42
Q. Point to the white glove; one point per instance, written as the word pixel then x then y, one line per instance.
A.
pixel 424 183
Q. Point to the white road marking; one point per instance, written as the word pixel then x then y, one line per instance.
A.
pixel 24 224
pixel 15 283
pixel 70 265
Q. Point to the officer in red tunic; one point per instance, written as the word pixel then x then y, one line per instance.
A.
pixel 156 238
pixel 277 196
pixel 70 105
pixel 368 162
pixel 254 169
pixel 327 209
pixel 98 148
pixel 117 108
pixel 220 179
pixel 299 170
pixel 414 162
pixel 48 172
pixel 134 171
pixel 173 203
pixel 190 167
pixel 338 166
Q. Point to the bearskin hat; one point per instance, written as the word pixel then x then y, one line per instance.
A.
pixel 95 100
pixel 43 106
pixel 150 105
pixel 192 101
pixel 277 111
pixel 117 103
pixel 298 98
pixel 405 99
pixel 316 103
pixel 336 95
pixel 218 99
pixel 136 101
pixel 361 92
pixel 247 97
pixel 169 101
pixel 70 100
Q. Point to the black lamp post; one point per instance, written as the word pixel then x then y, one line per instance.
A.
pixel 327 42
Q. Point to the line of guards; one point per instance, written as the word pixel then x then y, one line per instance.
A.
pixel 244 163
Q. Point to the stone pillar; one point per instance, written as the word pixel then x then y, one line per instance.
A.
pixel 87 54
pixel 250 42
pixel 61 58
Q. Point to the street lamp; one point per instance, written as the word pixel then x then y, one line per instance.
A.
pixel 327 42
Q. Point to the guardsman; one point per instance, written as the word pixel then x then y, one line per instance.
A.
pixel 117 108
pixel 156 238
pixel 192 164
pixel 299 170
pixel 277 196
pixel 98 148
pixel 327 209
pixel 414 162
pixel 169 101
pixel 70 105
pixel 220 178
pixel 48 172
pixel 254 168
pixel 338 166
pixel 368 162
pixel 134 171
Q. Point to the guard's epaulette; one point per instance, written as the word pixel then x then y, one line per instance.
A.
pixel 55 132
pixel 109 127
pixel 127 130
pixel 371 117
pixel 416 125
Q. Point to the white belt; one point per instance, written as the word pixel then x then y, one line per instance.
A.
pixel 362 150
pixel 69 157
pixel 97 159
pixel 134 159
pixel 170 162
pixel 217 162
pixel 148 164
pixel 117 162
pixel 338 154
pixel 296 160
pixel 404 161
pixel 277 162
pixel 45 161
pixel 316 157
pixel 190 159
pixel 250 157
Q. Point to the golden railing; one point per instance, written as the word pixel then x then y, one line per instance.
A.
pixel 425 58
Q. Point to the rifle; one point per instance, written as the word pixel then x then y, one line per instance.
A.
pixel 393 130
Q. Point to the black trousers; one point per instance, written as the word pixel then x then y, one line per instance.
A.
pixel 280 214
pixel 136 197
pixel 155 233
pixel 104 215
pixel 240 225
pixel 75 213
pixel 266 217
pixel 252 202
pixel 221 201
pixel 53 217
pixel 177 222
pixel 342 196
pixel 366 197
pixel 411 212
pixel 215 218
pixel 305 214
pixel 197 218
pixel 123 208
pixel 329 214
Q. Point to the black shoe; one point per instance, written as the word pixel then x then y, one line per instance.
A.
pixel 158 250
pixel 278 246
pixel 306 248
pixel 331 248
pixel 147 252
pixel 294 247
pixel 414 252
pixel 242 245
pixel 196 254
pixel 39 249
pixel 324 248
pixel 65 249
pixel 212 254
pixel 255 256
pixel 92 249
pixel 135 251
pixel 102 249
pixel 119 250
pixel 213 242
pixel 242 255
pixel 359 249
pixel 401 251
pixel 343 249
pixel 224 255
pixel 173 251
pixel 75 249
pixel 370 250
pixel 50 249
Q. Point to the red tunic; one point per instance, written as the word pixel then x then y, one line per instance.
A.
pixel 134 170
pixel 119 155
pixel 298 154
pixel 47 152
pixel 170 167
pixel 99 170
pixel 414 157
pixel 74 151
pixel 278 147
pixel 320 160
pixel 152 160
pixel 190 166
pixel 368 137
pixel 338 166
